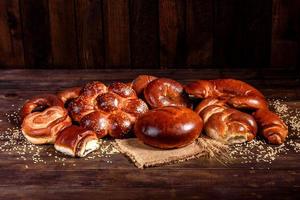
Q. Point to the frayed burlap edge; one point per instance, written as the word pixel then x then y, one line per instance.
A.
pixel 209 149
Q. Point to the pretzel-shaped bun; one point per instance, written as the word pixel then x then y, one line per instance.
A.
pixel 68 95
pixel 141 82
pixel 168 127
pixel 43 127
pixel 272 128
pixel 165 92
pixel 76 141
pixel 38 103
pixel 107 110
pixel 221 88
pixel 226 124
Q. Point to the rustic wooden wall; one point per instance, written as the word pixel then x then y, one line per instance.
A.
pixel 149 33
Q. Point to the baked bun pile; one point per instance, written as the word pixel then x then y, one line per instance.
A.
pixel 244 97
pixel 230 111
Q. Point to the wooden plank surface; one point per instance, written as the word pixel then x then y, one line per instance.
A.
pixel 90 33
pixel 36 30
pixel 242 30
pixel 285 33
pixel 63 33
pixel 118 179
pixel 116 26
pixel 199 32
pixel 11 41
pixel 172 14
pixel 144 34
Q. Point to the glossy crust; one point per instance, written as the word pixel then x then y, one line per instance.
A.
pixel 68 95
pixel 221 88
pixel 140 83
pixel 237 93
pixel 43 127
pixel 107 110
pixel 165 92
pixel 226 124
pixel 76 141
pixel 38 103
pixel 168 127
pixel 272 128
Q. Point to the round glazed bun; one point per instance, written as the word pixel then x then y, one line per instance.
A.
pixel 165 92
pixel 168 127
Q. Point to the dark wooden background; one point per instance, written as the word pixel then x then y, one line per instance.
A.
pixel 149 33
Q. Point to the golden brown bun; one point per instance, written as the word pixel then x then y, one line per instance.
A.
pixel 226 124
pixel 141 82
pixel 237 94
pixel 271 126
pixel 40 102
pixel 107 110
pixel 168 127
pixel 43 127
pixel 76 141
pixel 165 92
pixel 68 94
pixel 221 88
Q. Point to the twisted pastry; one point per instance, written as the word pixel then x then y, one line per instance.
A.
pixel 43 127
pixel 226 124
pixel 273 129
pixel 243 96
pixel 221 88
pixel 107 110
pixel 76 141
pixel 39 103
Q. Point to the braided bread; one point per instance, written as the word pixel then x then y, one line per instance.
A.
pixel 107 110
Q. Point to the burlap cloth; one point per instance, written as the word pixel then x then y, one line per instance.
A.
pixel 146 156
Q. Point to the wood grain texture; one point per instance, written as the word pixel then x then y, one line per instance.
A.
pixel 172 32
pixel 11 43
pixel 242 33
pixel 96 178
pixel 90 33
pixel 63 33
pixel 36 30
pixel 116 26
pixel 199 32
pixel 285 33
pixel 144 34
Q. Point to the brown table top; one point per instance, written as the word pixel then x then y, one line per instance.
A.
pixel 114 176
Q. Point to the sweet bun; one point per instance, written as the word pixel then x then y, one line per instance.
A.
pixel 221 88
pixel 107 110
pixel 68 95
pixel 226 124
pixel 168 127
pixel 43 127
pixel 165 92
pixel 272 128
pixel 141 82
pixel 40 103
pixel 76 141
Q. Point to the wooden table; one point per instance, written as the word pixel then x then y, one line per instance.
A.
pixel 120 179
